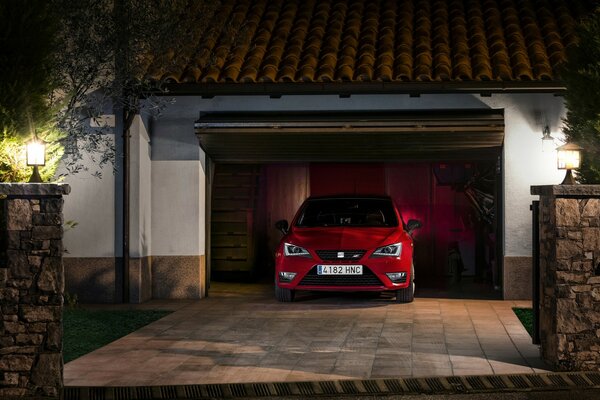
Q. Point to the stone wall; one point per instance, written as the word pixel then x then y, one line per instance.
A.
pixel 570 275
pixel 31 289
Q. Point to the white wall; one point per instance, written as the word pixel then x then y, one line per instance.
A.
pixel 91 204
pixel 141 191
pixel 170 198
pixel 178 185
pixel 177 208
pixel 524 162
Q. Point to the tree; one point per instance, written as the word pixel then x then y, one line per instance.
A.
pixel 110 49
pixel 27 40
pixel 64 63
pixel 582 79
pixel 114 54
pixel 28 43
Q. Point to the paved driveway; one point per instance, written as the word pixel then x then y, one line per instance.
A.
pixel 241 334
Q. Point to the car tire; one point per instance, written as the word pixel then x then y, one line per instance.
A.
pixel 284 295
pixel 407 295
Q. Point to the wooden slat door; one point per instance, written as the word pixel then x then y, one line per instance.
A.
pixel 234 203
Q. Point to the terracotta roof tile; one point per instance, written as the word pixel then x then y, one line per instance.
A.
pixel 378 40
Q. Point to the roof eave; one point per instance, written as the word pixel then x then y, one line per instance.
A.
pixel 345 89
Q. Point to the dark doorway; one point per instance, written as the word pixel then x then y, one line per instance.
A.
pixel 347 178
pixel 455 250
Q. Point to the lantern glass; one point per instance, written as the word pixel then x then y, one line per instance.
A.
pixel 568 159
pixel 548 144
pixel 568 156
pixel 36 153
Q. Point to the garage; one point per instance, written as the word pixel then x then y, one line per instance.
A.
pixel 465 100
pixel 441 168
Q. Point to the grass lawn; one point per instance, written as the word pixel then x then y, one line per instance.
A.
pixel 525 315
pixel 87 330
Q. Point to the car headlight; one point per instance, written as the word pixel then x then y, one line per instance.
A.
pixel 391 250
pixel 291 250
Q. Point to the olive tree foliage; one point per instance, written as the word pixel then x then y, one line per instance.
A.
pixel 582 79
pixel 25 62
pixel 28 44
pixel 113 55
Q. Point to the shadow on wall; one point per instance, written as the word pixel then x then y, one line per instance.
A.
pixel 92 279
pixel 98 280
pixel 176 277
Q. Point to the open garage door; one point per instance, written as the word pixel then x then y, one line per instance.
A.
pixel 436 167
pixel 357 136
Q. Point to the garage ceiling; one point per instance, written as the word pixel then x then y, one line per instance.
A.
pixel 351 136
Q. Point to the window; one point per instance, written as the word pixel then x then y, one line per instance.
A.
pixel 355 212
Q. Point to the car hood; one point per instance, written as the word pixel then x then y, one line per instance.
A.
pixel 343 238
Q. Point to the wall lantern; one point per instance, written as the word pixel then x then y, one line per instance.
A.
pixel 36 156
pixel 569 157
pixel 547 140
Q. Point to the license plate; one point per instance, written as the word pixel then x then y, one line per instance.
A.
pixel 339 269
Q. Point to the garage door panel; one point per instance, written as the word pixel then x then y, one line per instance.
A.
pixel 234 181
pixel 229 215
pixel 229 253
pixel 231 265
pixel 230 204
pixel 244 154
pixel 229 227
pixel 382 136
pixel 229 241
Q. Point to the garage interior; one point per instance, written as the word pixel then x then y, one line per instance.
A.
pixel 440 168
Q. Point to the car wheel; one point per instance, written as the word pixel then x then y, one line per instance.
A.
pixel 284 295
pixel 407 295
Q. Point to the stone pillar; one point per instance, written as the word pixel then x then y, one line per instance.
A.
pixel 570 275
pixel 31 289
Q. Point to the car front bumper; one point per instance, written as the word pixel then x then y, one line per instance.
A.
pixel 374 276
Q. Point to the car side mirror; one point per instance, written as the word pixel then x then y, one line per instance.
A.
pixel 282 226
pixel 413 224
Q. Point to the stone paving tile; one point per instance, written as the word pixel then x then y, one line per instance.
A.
pixel 469 353
pixel 390 373
pixel 508 367
pixel 485 370
pixel 241 334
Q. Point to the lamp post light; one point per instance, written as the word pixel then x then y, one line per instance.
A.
pixel 36 156
pixel 569 158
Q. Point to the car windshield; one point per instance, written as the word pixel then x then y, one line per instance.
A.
pixel 347 212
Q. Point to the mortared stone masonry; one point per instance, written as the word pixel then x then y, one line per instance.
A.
pixel 569 223
pixel 31 289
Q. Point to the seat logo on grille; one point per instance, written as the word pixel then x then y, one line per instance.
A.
pixel 340 254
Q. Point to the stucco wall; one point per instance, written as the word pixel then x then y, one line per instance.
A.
pixel 525 163
pixel 525 116
pixel 93 208
pixel 141 190
pixel 178 208
pixel 174 189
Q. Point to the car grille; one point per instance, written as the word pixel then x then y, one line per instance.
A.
pixel 333 254
pixel 368 278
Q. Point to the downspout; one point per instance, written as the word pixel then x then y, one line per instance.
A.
pixel 127 121
pixel 122 17
pixel 127 117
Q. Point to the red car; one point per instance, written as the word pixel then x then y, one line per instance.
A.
pixel 346 243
